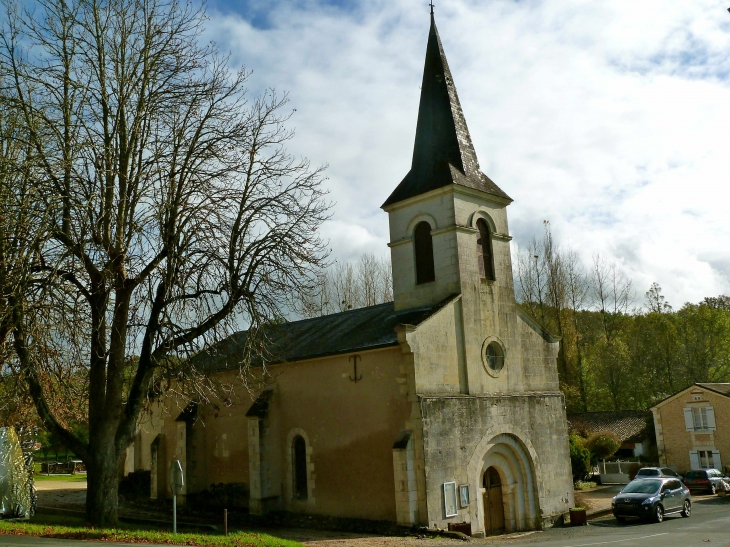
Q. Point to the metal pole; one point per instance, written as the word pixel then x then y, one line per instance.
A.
pixel 225 522
pixel 174 513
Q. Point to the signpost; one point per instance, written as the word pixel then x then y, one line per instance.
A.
pixel 177 481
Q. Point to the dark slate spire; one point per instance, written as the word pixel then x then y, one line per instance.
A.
pixel 443 153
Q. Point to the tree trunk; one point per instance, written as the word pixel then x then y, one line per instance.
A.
pixel 102 490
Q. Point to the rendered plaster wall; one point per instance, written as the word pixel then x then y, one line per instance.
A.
pixel 675 442
pixel 459 432
pixel 349 427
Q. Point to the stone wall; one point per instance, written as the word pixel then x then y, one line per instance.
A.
pixel 458 434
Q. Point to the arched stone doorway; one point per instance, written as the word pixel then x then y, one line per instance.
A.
pixel 493 503
pixel 503 465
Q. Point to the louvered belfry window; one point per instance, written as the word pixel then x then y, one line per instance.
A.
pixel 423 244
pixel 484 251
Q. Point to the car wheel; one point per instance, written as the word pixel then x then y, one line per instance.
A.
pixel 713 489
pixel 658 513
pixel 687 509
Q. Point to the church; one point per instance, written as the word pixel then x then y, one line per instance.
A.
pixel 438 408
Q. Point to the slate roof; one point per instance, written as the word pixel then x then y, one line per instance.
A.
pixel 345 332
pixel 443 153
pixel 628 425
pixel 723 389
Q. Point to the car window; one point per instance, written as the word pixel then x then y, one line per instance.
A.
pixel 648 472
pixel 675 484
pixel 667 486
pixel 642 487
pixel 696 475
pixel 668 471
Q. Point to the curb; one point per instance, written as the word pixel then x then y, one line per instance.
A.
pixel 598 513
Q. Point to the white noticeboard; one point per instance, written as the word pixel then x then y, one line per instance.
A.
pixel 450 506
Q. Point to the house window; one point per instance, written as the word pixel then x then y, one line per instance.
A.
pixel 706 459
pixel 299 467
pixel 425 271
pixel 699 417
pixel 696 396
pixel 484 251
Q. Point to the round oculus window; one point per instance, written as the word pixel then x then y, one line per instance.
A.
pixel 494 356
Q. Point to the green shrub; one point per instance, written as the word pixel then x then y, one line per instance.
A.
pixel 602 445
pixel 633 470
pixel 580 458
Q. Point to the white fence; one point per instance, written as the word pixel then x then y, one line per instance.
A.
pixel 616 472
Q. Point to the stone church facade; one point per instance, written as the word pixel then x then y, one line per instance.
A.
pixel 440 407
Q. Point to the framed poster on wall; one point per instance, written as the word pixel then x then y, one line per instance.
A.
pixel 464 495
pixel 450 507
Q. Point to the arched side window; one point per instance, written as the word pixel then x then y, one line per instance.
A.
pixel 423 244
pixel 299 468
pixel 484 250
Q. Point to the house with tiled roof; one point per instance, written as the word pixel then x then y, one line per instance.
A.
pixel 634 428
pixel 693 427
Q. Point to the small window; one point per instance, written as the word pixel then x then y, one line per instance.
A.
pixel 299 464
pixel 706 460
pixel 699 416
pixel 425 271
pixel 696 396
pixel 484 250
pixel 495 356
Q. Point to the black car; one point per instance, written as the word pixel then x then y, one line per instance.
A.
pixel 646 472
pixel 704 480
pixel 651 499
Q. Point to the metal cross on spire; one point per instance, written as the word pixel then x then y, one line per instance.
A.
pixel 431 4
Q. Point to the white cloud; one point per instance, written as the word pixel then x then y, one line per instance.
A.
pixel 610 119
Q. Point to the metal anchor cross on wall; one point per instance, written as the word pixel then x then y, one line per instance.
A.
pixel 354 359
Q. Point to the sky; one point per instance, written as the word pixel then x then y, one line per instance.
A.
pixel 609 119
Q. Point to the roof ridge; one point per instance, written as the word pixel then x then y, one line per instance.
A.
pixel 333 314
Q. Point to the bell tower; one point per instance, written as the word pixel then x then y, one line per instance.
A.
pixel 448 224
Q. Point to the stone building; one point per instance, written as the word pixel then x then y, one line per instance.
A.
pixel 440 407
pixel 691 427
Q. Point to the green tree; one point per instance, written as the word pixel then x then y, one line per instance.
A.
pixel 602 445
pixel 580 457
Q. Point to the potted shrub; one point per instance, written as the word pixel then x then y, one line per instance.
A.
pixel 578 516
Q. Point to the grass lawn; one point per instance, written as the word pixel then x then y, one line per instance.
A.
pixel 65 478
pixel 73 528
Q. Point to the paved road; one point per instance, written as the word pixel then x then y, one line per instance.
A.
pixel 708 526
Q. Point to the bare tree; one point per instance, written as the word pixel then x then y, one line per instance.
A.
pixel 175 213
pixel 576 291
pixel 611 290
pixel 346 286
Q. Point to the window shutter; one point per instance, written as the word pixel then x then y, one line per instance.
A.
pixel 710 418
pixel 716 459
pixel 688 420
pixel 694 459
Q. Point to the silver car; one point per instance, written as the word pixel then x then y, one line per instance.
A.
pixel 652 499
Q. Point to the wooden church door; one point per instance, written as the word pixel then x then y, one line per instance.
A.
pixel 493 506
